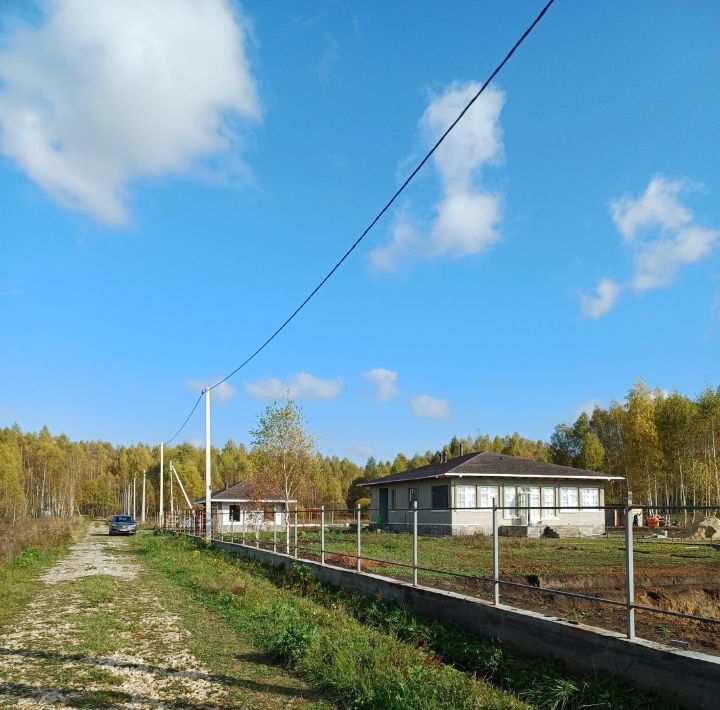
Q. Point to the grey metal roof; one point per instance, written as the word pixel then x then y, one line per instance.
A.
pixel 245 491
pixel 487 463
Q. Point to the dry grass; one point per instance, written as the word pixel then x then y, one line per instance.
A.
pixel 34 532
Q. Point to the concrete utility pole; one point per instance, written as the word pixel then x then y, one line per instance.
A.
pixel 172 493
pixel 173 470
pixel 134 513
pixel 161 518
pixel 142 512
pixel 208 477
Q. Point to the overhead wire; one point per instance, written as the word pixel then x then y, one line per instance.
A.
pixel 380 214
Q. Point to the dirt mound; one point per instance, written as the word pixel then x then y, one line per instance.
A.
pixel 705 529
pixel 350 561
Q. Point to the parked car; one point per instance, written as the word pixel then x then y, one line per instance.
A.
pixel 123 525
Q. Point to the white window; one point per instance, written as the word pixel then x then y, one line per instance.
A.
pixel 548 503
pixel 465 496
pixel 590 498
pixel 487 494
pixel 510 501
pixel 568 500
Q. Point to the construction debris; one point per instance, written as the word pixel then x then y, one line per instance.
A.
pixel 705 529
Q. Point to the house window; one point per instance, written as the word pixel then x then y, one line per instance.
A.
pixel 590 498
pixel 393 498
pixel 548 503
pixel 234 512
pixel 412 496
pixel 568 500
pixel 465 496
pixel 487 495
pixel 509 501
pixel 440 498
pixel 269 514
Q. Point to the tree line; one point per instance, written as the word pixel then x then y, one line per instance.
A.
pixel 663 444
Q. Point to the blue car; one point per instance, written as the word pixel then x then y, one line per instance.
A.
pixel 123 525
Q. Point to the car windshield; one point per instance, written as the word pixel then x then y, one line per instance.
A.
pixel 123 519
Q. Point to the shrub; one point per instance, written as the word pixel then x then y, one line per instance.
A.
pixel 38 533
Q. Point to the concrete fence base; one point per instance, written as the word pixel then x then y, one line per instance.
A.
pixel 690 678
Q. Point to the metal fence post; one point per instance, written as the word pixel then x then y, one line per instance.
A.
pixel 232 528
pixel 359 548
pixel 629 569
pixel 322 534
pixel 415 543
pixel 495 554
pixel 287 531
pixel 296 534
pixel 274 531
pixel 257 531
pixel 242 530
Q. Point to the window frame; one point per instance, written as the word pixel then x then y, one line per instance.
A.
pixel 470 487
pixel 569 508
pixel 544 512
pixel 496 488
pixel 447 497
pixel 412 496
pixel 589 507
pixel 510 512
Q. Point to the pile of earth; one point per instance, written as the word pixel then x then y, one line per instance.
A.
pixel 705 529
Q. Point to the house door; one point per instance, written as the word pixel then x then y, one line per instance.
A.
pixel 384 512
pixel 534 513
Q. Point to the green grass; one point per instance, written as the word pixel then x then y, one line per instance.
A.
pixel 472 554
pixel 354 664
pixel 18 583
pixel 543 683
pixel 79 639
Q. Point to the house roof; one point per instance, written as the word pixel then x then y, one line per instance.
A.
pixel 489 464
pixel 245 492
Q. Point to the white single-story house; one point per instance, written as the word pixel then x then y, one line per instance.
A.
pixel 455 497
pixel 243 505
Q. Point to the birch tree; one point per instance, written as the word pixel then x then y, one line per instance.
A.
pixel 284 451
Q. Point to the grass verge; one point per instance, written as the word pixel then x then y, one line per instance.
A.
pixel 544 683
pixel 358 666
pixel 27 548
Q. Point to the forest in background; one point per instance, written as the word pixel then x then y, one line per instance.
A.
pixel 664 444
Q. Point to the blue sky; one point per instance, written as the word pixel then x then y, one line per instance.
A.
pixel 168 196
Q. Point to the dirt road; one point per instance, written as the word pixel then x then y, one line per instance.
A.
pixel 102 632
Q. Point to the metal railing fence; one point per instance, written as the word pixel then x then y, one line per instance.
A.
pixel 250 528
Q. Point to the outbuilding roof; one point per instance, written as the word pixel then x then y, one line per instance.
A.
pixel 245 492
pixel 489 464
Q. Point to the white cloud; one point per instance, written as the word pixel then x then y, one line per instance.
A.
pixel 594 306
pixel 222 393
pixel 428 407
pixel 299 386
pixel 360 451
pixel 664 237
pixel 662 231
pixel 104 92
pixel 466 218
pixel 384 381
pixel 657 206
pixel 657 263
pixel 587 407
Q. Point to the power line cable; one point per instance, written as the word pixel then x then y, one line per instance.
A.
pixel 379 215
pixel 187 419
